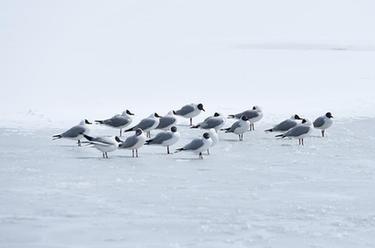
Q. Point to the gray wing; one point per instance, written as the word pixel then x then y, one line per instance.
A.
pixel 234 127
pixel 297 131
pixel 160 138
pixel 116 121
pixel 166 121
pixel 211 123
pixel 129 142
pixel 101 140
pixel 285 125
pixel 145 124
pixel 185 110
pixel 319 122
pixel 74 132
pixel 248 113
pixel 194 144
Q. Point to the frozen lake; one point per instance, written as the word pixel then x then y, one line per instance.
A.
pixel 261 192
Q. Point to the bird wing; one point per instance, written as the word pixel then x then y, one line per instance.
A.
pixel 166 121
pixel 160 138
pixel 297 131
pixel 284 125
pixel 194 144
pixel 185 110
pixel 74 132
pixel 318 122
pixel 129 142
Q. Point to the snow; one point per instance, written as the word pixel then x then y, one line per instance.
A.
pixel 62 61
pixel 262 192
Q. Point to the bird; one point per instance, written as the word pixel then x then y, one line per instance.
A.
pixel 253 115
pixel 147 124
pixel 216 121
pixel 76 132
pixel 167 121
pixel 298 132
pixel 104 144
pixel 134 142
pixel 239 127
pixel 323 122
pixel 165 138
pixel 118 121
pixel 198 145
pixel 285 125
pixel 190 111
pixel 214 137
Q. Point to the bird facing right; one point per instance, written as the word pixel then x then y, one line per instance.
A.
pixel 323 122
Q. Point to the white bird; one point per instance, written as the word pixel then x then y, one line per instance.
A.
pixel 285 125
pixel 216 121
pixel 167 121
pixel 214 137
pixel 165 138
pixel 104 144
pixel 134 142
pixel 118 121
pixel 197 146
pixel 253 115
pixel 239 127
pixel 323 122
pixel 147 124
pixel 190 111
pixel 298 132
pixel 76 132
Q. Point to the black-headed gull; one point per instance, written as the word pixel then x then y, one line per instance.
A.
pixel 285 125
pixel 190 111
pixel 198 145
pixel 253 115
pixel 147 124
pixel 76 132
pixel 118 121
pixel 323 122
pixel 239 127
pixel 165 138
pixel 298 132
pixel 134 142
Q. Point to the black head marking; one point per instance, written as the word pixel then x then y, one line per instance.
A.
pixel 128 112
pixel 206 135
pixel 118 139
pixel 244 118
pixel 329 115
pixel 304 120
pixel 200 107
pixel 156 115
pixel 173 129
pixel 254 108
pixel 138 131
pixel 297 117
pixel 87 122
pixel 216 114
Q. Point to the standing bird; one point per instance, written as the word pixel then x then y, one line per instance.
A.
pixel 76 132
pixel 239 127
pixel 165 138
pixel 253 115
pixel 214 137
pixel 298 132
pixel 104 144
pixel 118 121
pixel 190 111
pixel 216 122
pixel 285 125
pixel 147 124
pixel 197 146
pixel 323 122
pixel 166 122
pixel 134 142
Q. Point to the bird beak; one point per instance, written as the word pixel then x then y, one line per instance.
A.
pixel 203 110
pixel 130 113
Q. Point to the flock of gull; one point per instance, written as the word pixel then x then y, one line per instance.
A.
pixel 294 127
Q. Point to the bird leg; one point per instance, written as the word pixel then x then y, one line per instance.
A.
pixel 168 150
pixel 200 155
pixel 208 151
pixel 299 141
pixel 103 155
pixel 302 142
pixel 191 121
pixel 323 133
pixel 136 153
pixel 133 153
pixel 149 134
pixel 106 154
pixel 120 132
pixel 79 142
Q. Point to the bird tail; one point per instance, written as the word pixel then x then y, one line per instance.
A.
pixel 280 136
pixel 231 116
pixel 57 136
pixel 225 129
pixel 268 130
pixel 196 126
pixel 148 142
pixel 88 137
pixel 99 121
pixel 179 150
pixel 129 130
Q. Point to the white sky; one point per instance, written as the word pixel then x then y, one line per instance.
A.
pixel 69 59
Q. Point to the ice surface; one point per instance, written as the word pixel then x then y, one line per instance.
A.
pixel 262 192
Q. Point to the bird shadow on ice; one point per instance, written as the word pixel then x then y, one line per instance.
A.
pixel 188 159
pixel 231 140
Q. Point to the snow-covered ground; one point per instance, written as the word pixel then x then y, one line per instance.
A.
pixel 62 61
pixel 262 192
